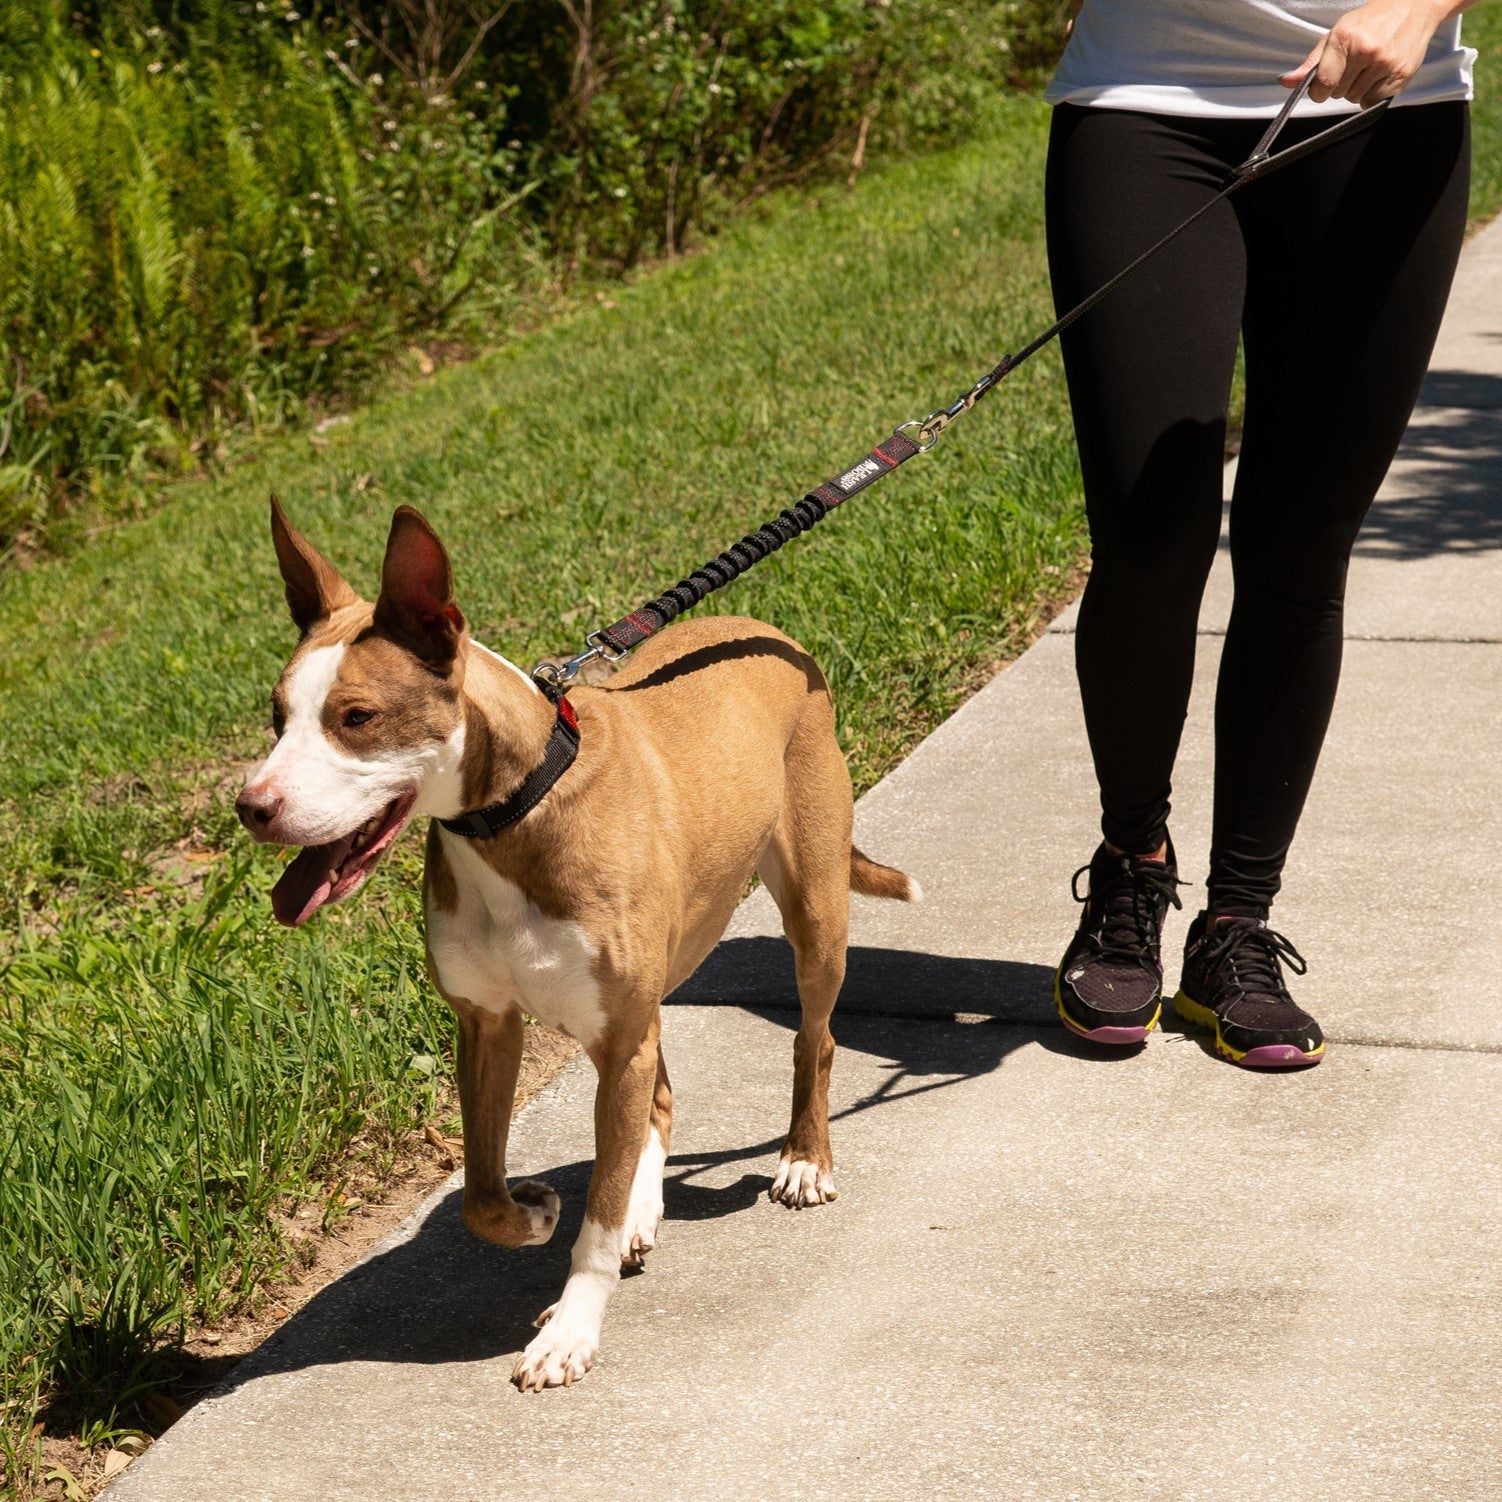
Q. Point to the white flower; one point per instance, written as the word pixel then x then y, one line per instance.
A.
pixel 307 250
pixel 154 67
pixel 620 192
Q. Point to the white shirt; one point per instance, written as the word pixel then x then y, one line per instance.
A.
pixel 1222 57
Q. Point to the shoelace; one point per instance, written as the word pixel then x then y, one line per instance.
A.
pixel 1130 910
pixel 1255 955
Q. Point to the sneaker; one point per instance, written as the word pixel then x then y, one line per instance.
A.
pixel 1109 986
pixel 1233 985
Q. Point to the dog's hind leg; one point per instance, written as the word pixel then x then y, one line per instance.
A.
pixel 490 1054
pixel 806 867
pixel 569 1340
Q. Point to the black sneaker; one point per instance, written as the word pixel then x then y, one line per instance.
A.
pixel 1109 986
pixel 1233 984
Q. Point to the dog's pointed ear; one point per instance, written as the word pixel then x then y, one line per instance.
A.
pixel 417 591
pixel 315 588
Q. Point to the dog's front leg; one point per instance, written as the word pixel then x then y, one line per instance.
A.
pixel 570 1331
pixel 490 1056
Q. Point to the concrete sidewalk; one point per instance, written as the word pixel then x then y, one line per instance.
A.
pixel 1048 1274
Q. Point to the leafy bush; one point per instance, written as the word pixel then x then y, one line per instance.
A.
pixel 211 211
pixel 195 231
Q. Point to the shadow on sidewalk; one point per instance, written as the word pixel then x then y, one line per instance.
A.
pixel 758 973
pixel 442 1296
pixel 1453 464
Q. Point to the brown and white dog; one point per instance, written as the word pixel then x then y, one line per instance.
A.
pixel 710 757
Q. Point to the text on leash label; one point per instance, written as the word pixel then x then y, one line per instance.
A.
pixel 853 478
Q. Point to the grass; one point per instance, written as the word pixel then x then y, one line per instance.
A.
pixel 175 1073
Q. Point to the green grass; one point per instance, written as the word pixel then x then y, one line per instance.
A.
pixel 174 1071
pixel 1482 29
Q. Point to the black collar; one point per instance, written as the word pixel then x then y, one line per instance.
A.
pixel 563 747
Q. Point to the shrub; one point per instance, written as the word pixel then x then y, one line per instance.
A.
pixel 212 211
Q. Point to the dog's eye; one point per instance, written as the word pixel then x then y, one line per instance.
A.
pixel 278 723
pixel 353 717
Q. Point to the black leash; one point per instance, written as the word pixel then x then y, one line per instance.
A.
pixel 614 641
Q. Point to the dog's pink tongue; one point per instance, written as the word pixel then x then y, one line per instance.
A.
pixel 304 886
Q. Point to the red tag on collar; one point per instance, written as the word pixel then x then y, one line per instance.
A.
pixel 566 714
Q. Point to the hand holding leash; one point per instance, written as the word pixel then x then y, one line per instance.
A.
pixel 1372 53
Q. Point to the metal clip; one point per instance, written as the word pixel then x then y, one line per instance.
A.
pixel 560 673
pixel 922 446
pixel 600 647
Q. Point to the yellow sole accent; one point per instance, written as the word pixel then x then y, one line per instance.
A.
pixel 1201 1016
pixel 1075 1027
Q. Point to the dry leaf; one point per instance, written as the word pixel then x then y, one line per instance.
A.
pixel 115 1461
pixel 69 1483
pixel 160 1409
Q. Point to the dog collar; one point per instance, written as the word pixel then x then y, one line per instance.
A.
pixel 563 746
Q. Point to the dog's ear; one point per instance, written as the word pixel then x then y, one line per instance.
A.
pixel 315 588
pixel 417 591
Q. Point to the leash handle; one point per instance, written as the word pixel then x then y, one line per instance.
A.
pixel 1263 150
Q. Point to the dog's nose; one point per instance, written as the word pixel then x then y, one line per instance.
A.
pixel 258 808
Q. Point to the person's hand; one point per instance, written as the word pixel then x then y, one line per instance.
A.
pixel 1372 52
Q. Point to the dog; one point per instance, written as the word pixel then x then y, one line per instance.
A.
pixel 709 757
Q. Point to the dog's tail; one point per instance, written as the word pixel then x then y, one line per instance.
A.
pixel 871 879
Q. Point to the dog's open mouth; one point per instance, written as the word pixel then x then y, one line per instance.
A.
pixel 321 874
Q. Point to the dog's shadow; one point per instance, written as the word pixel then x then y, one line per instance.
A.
pixel 443 1296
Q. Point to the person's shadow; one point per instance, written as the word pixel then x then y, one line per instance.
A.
pixel 443 1296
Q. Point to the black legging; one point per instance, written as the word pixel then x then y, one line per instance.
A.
pixel 1335 271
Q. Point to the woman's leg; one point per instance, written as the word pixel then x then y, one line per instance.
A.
pixel 1149 375
pixel 1350 254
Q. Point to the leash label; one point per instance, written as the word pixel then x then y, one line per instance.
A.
pixel 862 474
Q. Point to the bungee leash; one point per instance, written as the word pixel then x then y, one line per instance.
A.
pixel 613 642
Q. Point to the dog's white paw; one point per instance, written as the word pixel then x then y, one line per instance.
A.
pixel 543 1208
pixel 644 1212
pixel 799 1183
pixel 560 1355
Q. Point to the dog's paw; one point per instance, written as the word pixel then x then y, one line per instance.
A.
pixel 799 1183
pixel 559 1356
pixel 542 1208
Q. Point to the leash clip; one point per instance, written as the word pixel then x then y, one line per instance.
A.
pixel 925 440
pixel 555 675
